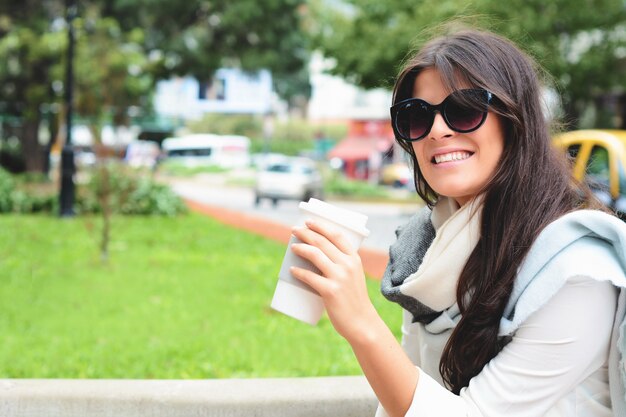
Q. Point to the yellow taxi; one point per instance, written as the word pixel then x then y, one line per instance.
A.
pixel 599 158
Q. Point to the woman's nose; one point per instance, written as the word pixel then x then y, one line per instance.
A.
pixel 440 129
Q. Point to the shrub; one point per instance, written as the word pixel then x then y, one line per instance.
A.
pixel 339 185
pixel 25 193
pixel 284 146
pixel 25 202
pixel 303 130
pixel 7 188
pixel 149 197
pixel 128 193
pixel 228 124
pixel 176 168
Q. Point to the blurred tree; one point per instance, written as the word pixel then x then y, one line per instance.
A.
pixel 581 43
pixel 111 77
pixel 197 37
pixel 111 70
pixel 31 46
pixel 123 46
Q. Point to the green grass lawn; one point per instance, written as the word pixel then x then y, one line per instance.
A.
pixel 180 297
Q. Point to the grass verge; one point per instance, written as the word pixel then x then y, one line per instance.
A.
pixel 181 297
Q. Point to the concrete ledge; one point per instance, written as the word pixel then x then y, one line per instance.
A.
pixel 282 397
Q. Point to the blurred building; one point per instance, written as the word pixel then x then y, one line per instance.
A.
pixel 369 143
pixel 333 98
pixel 367 147
pixel 228 91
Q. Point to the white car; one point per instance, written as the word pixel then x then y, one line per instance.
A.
pixel 290 179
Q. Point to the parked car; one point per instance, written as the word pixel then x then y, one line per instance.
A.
pixel 397 175
pixel 262 160
pixel 292 178
pixel 600 159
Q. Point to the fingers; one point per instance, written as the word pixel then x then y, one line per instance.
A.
pixel 329 233
pixel 337 270
pixel 325 247
pixel 316 240
pixel 314 255
pixel 333 234
pixel 315 281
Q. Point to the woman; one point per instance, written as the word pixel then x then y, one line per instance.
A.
pixel 509 278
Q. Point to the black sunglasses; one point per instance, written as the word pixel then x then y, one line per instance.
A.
pixel 463 111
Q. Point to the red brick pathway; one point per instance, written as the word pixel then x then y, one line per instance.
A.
pixel 374 261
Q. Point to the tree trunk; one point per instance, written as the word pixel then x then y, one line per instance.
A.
pixel 34 153
pixel 105 204
pixel 105 191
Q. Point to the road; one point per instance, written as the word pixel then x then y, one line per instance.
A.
pixel 383 218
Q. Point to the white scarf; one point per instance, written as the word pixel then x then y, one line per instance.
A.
pixel 457 232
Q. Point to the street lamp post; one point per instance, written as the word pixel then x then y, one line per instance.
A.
pixel 68 167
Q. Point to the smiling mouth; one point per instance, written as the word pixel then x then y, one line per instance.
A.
pixel 452 156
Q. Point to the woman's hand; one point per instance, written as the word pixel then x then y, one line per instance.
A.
pixel 342 286
pixel 342 281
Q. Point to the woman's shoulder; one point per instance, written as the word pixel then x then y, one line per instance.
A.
pixel 584 243
pixel 591 242
pixel 594 221
pixel 576 225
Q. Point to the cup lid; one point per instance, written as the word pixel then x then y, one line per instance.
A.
pixel 350 219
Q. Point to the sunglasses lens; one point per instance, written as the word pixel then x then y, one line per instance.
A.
pixel 466 110
pixel 413 121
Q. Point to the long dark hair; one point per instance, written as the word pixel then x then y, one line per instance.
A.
pixel 531 187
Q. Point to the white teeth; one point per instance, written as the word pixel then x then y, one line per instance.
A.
pixel 452 156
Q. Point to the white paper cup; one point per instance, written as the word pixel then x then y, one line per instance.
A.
pixel 293 297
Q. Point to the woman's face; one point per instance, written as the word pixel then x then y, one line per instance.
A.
pixel 470 158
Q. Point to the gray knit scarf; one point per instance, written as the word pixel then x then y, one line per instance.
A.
pixel 405 257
